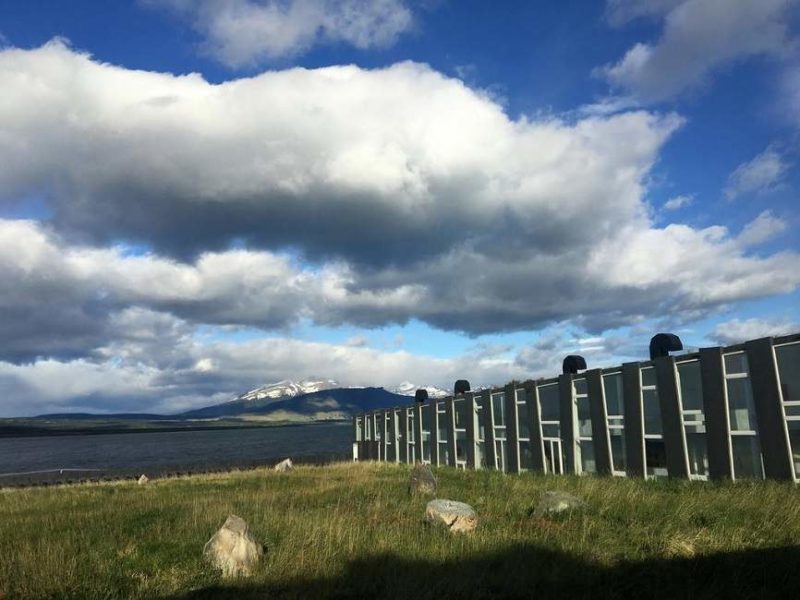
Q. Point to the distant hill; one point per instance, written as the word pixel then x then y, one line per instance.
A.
pixel 337 403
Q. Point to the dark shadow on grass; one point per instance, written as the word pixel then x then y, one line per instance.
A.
pixel 527 571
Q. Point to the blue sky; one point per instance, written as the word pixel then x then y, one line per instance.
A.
pixel 448 189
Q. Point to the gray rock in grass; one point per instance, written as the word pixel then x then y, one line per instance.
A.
pixel 458 517
pixel 233 550
pixel 556 502
pixel 422 481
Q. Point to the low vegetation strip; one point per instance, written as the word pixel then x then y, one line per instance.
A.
pixel 353 530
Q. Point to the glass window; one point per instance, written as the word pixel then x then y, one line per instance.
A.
pixel 740 404
pixel 691 385
pixel 588 464
pixel 656 458
pixel 522 419
pixel 735 363
pixel 652 412
pixel 648 377
pixel 460 410
pixel 498 400
pixel 612 384
pixel 551 431
pixel 698 452
pixel 548 400
pixel 618 449
pixel 789 370
pixel 746 457
pixel 584 418
pixel 581 388
pixel 794 441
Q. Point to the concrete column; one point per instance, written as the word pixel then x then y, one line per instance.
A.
pixel 715 408
pixel 772 430
pixel 566 407
pixel 488 432
pixel 450 417
pixel 512 428
pixel 535 427
pixel 599 414
pixel 671 418
pixel 472 435
pixel 634 423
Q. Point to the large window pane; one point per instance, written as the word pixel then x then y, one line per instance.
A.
pixel 648 376
pixel 460 410
pixel 522 419
pixel 618 449
pixel 548 399
pixel 588 464
pixel 581 387
pixel 740 404
pixel 735 363
pixel 691 385
pixel 497 409
pixel 656 458
pixel 794 440
pixel 698 452
pixel 746 457
pixel 612 385
pixel 789 370
pixel 652 412
pixel 551 431
pixel 584 418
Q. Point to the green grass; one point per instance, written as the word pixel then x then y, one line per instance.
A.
pixel 351 530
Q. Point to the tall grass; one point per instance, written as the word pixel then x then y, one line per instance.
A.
pixel 352 530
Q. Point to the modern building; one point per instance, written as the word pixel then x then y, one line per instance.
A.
pixel 720 413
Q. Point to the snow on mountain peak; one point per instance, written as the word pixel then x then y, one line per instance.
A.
pixel 287 388
pixel 409 389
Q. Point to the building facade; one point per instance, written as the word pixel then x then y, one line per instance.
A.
pixel 720 413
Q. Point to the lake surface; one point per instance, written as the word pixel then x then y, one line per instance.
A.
pixel 68 458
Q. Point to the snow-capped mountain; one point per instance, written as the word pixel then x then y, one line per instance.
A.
pixel 409 389
pixel 287 389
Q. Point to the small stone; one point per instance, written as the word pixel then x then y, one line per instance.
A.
pixel 142 480
pixel 232 549
pixel 422 481
pixel 284 466
pixel 553 503
pixel 458 517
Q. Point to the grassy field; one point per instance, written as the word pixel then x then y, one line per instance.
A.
pixel 352 531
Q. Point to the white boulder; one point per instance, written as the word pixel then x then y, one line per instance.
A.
pixel 284 466
pixel 458 517
pixel 232 549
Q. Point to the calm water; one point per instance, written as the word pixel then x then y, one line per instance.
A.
pixel 22 460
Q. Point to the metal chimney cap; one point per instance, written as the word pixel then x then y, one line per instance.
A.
pixel 421 396
pixel 461 386
pixel 661 344
pixel 573 363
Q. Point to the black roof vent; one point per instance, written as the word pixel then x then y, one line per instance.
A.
pixel 573 363
pixel 461 386
pixel 421 396
pixel 662 344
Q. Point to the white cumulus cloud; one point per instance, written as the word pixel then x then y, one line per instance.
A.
pixel 242 33
pixel 757 176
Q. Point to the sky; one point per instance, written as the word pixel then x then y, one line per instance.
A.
pixel 198 197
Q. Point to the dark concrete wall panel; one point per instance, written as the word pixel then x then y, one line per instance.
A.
pixel 566 408
pixel 597 407
pixel 715 409
pixel 671 421
pixel 512 428
pixel 488 432
pixel 769 412
pixel 634 427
